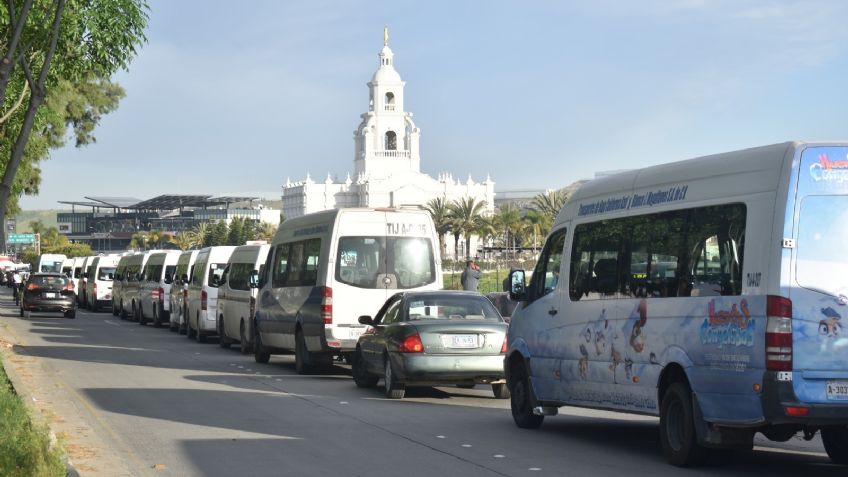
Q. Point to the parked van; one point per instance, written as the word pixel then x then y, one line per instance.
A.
pixel 709 292
pixel 118 282
pixel 327 269
pixel 50 263
pixel 82 294
pixel 76 273
pixel 236 299
pixel 131 284
pixel 179 290
pixel 155 289
pixel 101 275
pixel 68 267
pixel 202 295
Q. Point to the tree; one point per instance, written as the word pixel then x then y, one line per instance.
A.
pixel 466 215
pixel 154 238
pixel 218 234
pixel 550 202
pixel 440 213
pixel 236 234
pixel 48 41
pixel 184 240
pixel 508 220
pixel 139 241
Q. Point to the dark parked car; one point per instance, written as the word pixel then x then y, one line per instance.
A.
pixel 49 292
pixel 432 339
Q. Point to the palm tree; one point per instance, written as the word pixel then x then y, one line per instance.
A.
pixel 467 214
pixel 184 240
pixel 154 238
pixel 538 224
pixel 488 229
pixel 508 220
pixel 266 231
pixel 440 213
pixel 550 202
pixel 138 241
pixel 201 231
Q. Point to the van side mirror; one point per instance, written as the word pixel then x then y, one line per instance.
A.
pixel 517 286
pixel 168 279
pixel 253 279
pixel 366 320
pixel 184 278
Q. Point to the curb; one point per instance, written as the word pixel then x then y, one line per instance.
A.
pixel 27 398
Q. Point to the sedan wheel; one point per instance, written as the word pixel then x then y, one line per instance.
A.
pixel 394 389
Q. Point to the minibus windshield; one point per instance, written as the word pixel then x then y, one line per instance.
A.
pixel 822 232
pixel 365 261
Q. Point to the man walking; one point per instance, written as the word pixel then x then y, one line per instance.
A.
pixel 470 278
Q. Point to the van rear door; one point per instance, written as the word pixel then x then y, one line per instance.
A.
pixel 819 291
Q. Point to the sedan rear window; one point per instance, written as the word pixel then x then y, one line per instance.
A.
pixel 445 307
pixel 50 280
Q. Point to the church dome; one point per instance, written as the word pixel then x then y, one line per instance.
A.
pixel 386 72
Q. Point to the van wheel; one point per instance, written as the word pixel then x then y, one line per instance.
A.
pixel 114 309
pixel 71 314
pixel 157 321
pixel 94 307
pixel 500 391
pixel 244 344
pixel 189 331
pixel 138 314
pixel 22 311
pixel 223 340
pixel 677 428
pixel 301 354
pixel 522 400
pixel 260 355
pixel 835 441
pixel 123 311
pixel 361 376
pixel 201 338
pixel 394 389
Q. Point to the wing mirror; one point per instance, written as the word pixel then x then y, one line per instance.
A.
pixel 517 285
pixel 253 280
pixel 366 320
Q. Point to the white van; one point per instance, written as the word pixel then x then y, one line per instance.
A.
pixel 82 294
pixel 118 283
pixel 76 273
pixel 155 289
pixel 327 269
pixel 50 263
pixel 68 267
pixel 236 299
pixel 131 284
pixel 709 292
pixel 179 290
pixel 101 274
pixel 202 295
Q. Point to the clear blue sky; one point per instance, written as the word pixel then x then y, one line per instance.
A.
pixel 236 97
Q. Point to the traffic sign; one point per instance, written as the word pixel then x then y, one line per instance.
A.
pixel 21 239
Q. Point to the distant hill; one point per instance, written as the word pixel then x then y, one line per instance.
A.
pixel 47 217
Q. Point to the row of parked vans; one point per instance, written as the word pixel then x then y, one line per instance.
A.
pixel 303 293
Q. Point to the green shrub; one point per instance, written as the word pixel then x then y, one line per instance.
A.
pixel 24 447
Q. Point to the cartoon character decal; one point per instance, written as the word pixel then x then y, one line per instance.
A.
pixel 637 338
pixel 583 363
pixel 831 326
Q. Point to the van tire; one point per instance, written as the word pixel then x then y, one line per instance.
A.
pixel 123 311
pixel 201 338
pixel 244 343
pixel 301 355
pixel 394 389
pixel 259 353
pixel 94 307
pixel 71 314
pixel 835 441
pixel 189 331
pixel 157 321
pixel 521 399
pixel 114 309
pixel 677 428
pixel 361 376
pixel 223 340
pixel 500 390
pixel 138 314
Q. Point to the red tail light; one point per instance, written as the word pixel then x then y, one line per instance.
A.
pixel 69 287
pixel 204 299
pixel 185 295
pixel 161 295
pixel 411 344
pixel 327 305
pixel 32 286
pixel 778 333
pixel 797 411
pixel 503 346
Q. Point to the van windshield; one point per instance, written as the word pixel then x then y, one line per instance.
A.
pixel 822 232
pixel 106 273
pixel 366 262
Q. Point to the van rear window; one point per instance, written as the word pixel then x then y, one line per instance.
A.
pixel 368 262
pixel 822 233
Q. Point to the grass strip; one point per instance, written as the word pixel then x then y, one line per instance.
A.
pixel 25 448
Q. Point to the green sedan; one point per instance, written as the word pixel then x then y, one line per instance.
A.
pixel 432 339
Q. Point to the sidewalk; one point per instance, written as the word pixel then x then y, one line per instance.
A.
pixel 71 418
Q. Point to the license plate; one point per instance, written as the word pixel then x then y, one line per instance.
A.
pixel 459 341
pixel 49 295
pixel 837 390
pixel 355 333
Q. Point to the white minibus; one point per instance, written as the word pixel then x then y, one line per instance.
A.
pixel 77 273
pixel 50 263
pixel 327 269
pixel 118 283
pixel 155 288
pixel 236 299
pixel 82 293
pixel 709 292
pixel 202 297
pixel 179 290
pixel 101 274
pixel 131 284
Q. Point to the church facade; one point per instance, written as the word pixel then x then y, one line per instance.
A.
pixel 387 163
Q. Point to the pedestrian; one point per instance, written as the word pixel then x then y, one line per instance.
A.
pixel 470 278
pixel 17 281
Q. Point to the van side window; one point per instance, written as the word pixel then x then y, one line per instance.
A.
pixel 715 244
pixel 546 274
pixel 595 260
pixel 655 247
pixel 280 268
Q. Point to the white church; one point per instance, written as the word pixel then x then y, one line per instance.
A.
pixel 387 164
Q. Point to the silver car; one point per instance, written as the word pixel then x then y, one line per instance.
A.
pixel 431 339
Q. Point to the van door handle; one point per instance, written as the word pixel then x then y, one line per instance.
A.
pixel 552 311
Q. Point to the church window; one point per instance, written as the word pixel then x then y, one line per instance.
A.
pixel 391 141
pixel 390 101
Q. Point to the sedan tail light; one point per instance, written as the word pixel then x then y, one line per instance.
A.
pixel 503 346
pixel 411 344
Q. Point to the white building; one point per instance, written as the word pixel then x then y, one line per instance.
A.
pixel 387 164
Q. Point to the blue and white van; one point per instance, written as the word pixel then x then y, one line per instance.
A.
pixel 327 269
pixel 710 292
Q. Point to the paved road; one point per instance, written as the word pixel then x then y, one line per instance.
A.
pixel 165 405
